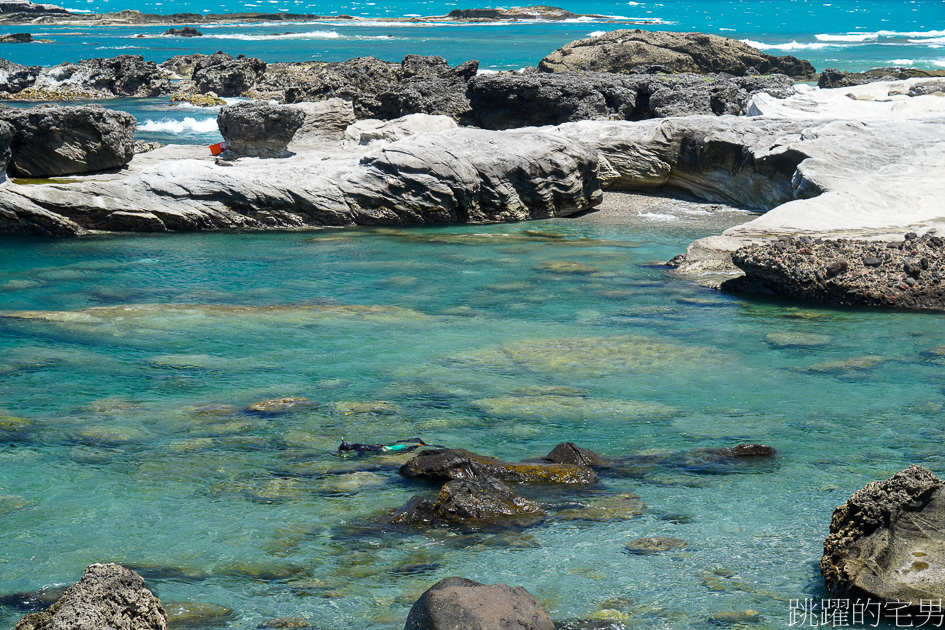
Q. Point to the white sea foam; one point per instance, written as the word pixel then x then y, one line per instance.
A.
pixel 921 36
pixel 659 216
pixel 935 41
pixel 263 38
pixel 849 37
pixel 596 33
pixel 902 62
pixel 181 127
pixel 794 45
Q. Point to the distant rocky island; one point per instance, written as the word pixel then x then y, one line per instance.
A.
pixel 16 12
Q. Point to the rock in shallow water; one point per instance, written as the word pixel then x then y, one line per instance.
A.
pixel 460 604
pixel 107 596
pixel 457 463
pixel 907 274
pixel 885 542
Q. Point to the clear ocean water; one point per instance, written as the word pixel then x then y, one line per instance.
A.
pixel 127 364
pixel 132 360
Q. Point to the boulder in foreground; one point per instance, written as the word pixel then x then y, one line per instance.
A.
pixel 107 596
pixel 460 604
pixel 624 50
pixel 886 541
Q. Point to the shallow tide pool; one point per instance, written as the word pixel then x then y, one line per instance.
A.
pixel 127 365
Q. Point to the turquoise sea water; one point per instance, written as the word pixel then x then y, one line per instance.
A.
pixel 132 360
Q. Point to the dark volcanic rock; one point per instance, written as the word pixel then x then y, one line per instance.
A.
pixel 187 31
pixel 508 100
pixel 49 140
pixel 748 450
pixel 480 500
pixel 27 10
pixel 107 596
pixel 456 463
pixel 16 38
pixel 910 274
pixel 833 78
pixel 258 129
pixel 225 76
pixel 124 75
pixel 356 80
pixel 885 542
pixel 445 93
pixel 623 50
pixel 570 453
pixel 15 77
pixel 460 604
pixel 418 66
pixel 183 65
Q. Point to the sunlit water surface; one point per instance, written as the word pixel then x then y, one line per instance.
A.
pixel 130 361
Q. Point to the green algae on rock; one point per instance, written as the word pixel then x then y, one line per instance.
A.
pixel 646 546
pixel 592 356
pixel 572 408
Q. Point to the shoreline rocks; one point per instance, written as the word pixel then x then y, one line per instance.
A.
pixel 901 274
pixel 885 541
pixel 622 51
pixel 49 140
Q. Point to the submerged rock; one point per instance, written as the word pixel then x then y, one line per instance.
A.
pixel 571 453
pixel 885 542
pixel 456 603
pixel 448 464
pixel 107 596
pixel 280 405
pixel 647 546
pixel 625 50
pixel 474 501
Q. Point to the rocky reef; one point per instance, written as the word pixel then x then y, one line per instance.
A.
pixel 904 274
pixel 885 541
pixel 624 50
pixel 107 596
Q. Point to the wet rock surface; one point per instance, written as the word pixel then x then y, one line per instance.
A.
pixel 107 596
pixel 476 501
pixel 902 274
pixel 456 603
pixel 49 140
pixel 449 464
pixel 624 50
pixel 885 542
